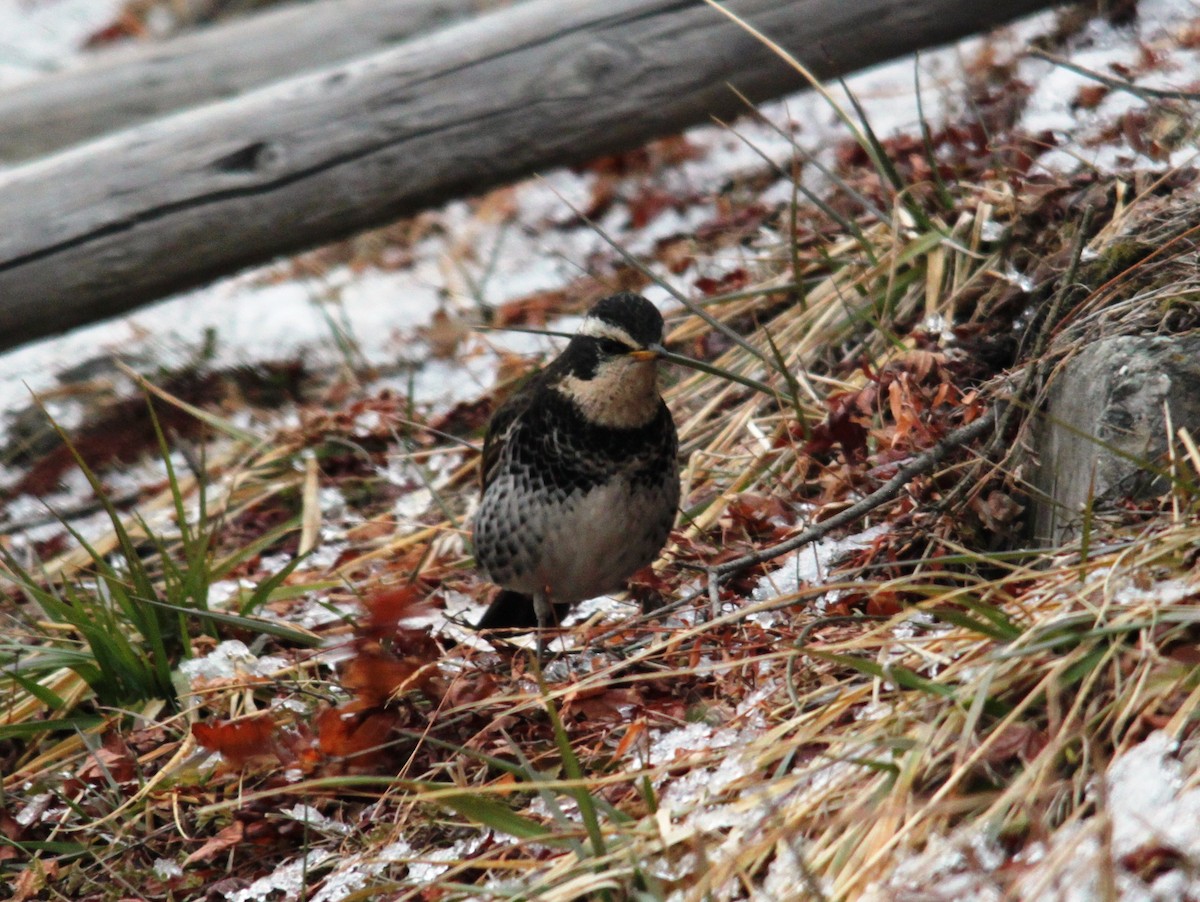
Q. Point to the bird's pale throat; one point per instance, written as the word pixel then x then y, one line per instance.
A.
pixel 623 394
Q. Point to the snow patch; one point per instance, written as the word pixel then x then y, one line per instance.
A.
pixel 231 660
pixel 1150 806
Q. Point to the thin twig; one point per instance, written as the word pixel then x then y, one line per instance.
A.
pixel 1039 368
pixel 1035 373
pixel 1117 84
pixel 687 302
pixel 669 356
pixel 1064 287
pixel 921 465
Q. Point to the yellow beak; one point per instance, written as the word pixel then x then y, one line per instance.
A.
pixel 653 352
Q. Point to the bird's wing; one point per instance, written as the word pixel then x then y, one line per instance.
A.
pixel 500 428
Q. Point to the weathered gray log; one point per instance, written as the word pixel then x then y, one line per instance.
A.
pixel 122 86
pixel 99 229
pixel 1106 430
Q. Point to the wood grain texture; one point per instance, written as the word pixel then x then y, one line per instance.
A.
pixel 122 86
pixel 97 230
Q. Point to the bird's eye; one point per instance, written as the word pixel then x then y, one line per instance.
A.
pixel 611 346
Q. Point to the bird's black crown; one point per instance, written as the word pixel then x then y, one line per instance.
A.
pixel 632 313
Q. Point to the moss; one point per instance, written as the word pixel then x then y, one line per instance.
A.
pixel 1115 258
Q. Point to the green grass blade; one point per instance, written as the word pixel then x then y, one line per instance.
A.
pixel 498 817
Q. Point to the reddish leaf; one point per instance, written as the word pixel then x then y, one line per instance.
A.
pixel 635 730
pixel 1185 653
pixel 222 842
pixel 465 417
pixel 648 204
pixel 844 426
pixel 360 738
pixel 105 764
pixel 676 254
pixel 603 196
pixel 33 880
pixel 376 675
pixel 996 510
pixel 757 516
pixel 1088 97
pixel 600 705
pixel 297 747
pixel 386 608
pixel 238 741
pixel 474 687
pixel 1151 861
pixel 731 281
pixel 532 310
pixel 1018 740
pixel 732 223
pixel 884 604
pixel 10 827
pixel 619 163
pixel 128 25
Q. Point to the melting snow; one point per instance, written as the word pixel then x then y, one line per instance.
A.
pixel 287 882
pixel 230 660
pixel 1150 806
pixel 809 565
pixel 165 869
pixel 355 872
pixel 308 815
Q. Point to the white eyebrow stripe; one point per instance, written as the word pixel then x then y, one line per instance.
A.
pixel 594 327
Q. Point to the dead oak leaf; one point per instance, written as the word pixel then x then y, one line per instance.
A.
pixel 33 880
pixel 377 675
pixel 225 840
pixel 386 608
pixel 240 741
pixel 600 705
pixel 361 740
pixel 1017 740
pixel 106 765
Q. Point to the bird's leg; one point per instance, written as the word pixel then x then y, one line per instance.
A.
pixel 545 617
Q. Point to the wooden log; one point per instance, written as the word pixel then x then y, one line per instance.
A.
pixel 123 86
pixel 99 229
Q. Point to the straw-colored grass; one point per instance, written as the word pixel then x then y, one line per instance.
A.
pixel 801 745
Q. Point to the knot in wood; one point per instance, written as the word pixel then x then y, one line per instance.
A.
pixel 597 64
pixel 252 159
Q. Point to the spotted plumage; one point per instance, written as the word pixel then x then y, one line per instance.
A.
pixel 580 476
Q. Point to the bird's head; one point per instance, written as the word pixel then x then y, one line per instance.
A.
pixel 609 368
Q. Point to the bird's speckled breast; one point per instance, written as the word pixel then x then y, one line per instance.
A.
pixel 573 506
pixel 578 544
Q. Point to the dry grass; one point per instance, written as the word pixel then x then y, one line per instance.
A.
pixel 799 744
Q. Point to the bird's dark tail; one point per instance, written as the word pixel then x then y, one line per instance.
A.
pixel 514 611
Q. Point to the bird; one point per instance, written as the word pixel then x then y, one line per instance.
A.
pixel 580 472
